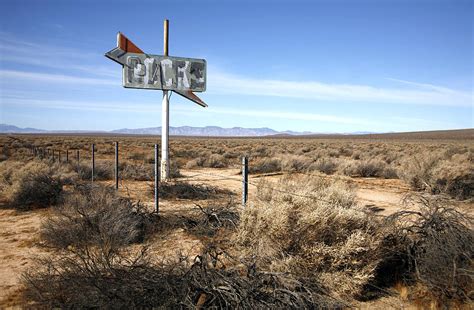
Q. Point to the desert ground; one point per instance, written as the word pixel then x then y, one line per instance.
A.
pixel 200 211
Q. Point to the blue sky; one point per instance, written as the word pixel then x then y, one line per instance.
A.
pixel 321 66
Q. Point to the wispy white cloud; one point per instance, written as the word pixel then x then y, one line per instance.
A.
pixel 17 51
pixel 424 86
pixel 424 94
pixel 290 116
pixel 71 63
pixel 152 107
pixel 426 123
pixel 56 78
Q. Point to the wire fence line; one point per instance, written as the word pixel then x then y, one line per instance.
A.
pixel 72 156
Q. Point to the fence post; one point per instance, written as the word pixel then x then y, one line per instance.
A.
pixel 116 164
pixel 52 152
pixel 67 155
pixel 59 156
pixel 77 159
pixel 245 178
pixel 93 161
pixel 157 178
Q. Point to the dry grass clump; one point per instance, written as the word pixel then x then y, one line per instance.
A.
pixel 31 185
pixel 103 170
pixel 313 227
pixel 185 190
pixel 212 161
pixel 455 176
pixel 196 162
pixel 94 214
pixel 295 163
pixel 265 165
pixel 137 172
pixel 437 174
pixel 440 246
pixel 326 165
pixel 368 168
pixel 7 170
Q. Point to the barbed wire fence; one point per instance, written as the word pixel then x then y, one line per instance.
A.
pixel 74 157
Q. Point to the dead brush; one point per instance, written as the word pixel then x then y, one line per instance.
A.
pixel 185 190
pixel 208 220
pixel 92 215
pixel 126 279
pixel 440 245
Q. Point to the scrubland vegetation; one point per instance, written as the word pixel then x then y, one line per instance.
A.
pixel 445 167
pixel 304 241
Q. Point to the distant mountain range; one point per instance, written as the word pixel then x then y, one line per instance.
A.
pixel 208 131
pixel 214 131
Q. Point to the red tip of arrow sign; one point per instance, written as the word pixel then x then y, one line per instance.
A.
pixel 125 44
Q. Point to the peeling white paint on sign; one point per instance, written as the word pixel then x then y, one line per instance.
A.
pixel 167 73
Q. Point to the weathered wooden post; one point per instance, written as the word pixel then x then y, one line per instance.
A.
pixel 52 152
pixel 59 156
pixel 93 161
pixel 67 155
pixel 245 179
pixel 157 178
pixel 116 164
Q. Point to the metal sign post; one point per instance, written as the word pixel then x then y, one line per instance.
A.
pixel 165 117
pixel 183 76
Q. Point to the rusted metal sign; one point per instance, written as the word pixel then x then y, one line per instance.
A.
pixel 160 72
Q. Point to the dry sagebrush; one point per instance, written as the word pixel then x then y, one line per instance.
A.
pixel 30 185
pixel 314 228
pixel 94 214
pixel 441 173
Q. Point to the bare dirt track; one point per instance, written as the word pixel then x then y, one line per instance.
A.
pixel 19 237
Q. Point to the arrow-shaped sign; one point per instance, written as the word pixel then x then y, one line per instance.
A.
pixel 181 75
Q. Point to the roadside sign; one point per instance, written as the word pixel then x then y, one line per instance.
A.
pixel 183 76
pixel 166 73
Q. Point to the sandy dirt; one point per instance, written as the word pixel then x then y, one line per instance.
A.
pixel 19 231
pixel 19 238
